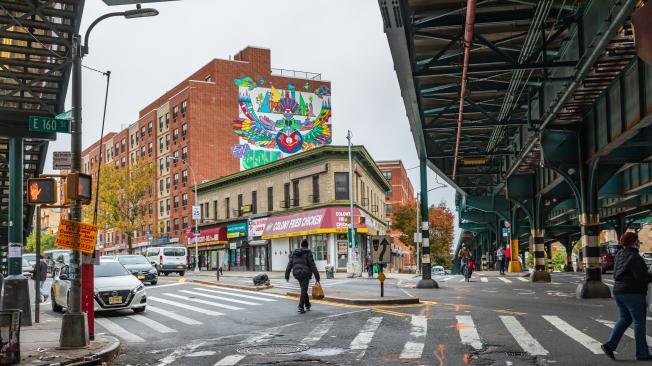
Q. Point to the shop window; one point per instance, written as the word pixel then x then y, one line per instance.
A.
pixel 341 186
pixel 270 199
pixel 319 246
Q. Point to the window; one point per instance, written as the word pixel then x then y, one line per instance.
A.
pixel 160 145
pixel 295 193
pixel 167 141
pixel 215 209
pixel 160 207
pixel 184 129
pixel 341 186
pixel 315 189
pixel 388 208
pixel 270 199
pixel 161 185
pixel 176 224
pixel 160 165
pixel 150 147
pixel 254 202
pixel 123 162
pixel 167 204
pixel 142 132
pixel 176 157
pixel 160 123
pixel 167 119
pixel 167 226
pixel 175 112
pixel 239 205
pixel 131 140
pixel 175 202
pixel 184 153
pixel 175 134
pixel 185 223
pixel 117 149
pixel 319 246
pixel 142 152
pixel 167 184
pixel 184 176
pixel 184 199
pixel 176 179
pixel 286 195
pixel 208 79
pixel 167 164
pixel 388 194
pixel 227 207
pixel 206 212
pixel 149 128
pixel 184 107
pixel 387 174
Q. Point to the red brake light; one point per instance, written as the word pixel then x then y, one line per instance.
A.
pixel 160 260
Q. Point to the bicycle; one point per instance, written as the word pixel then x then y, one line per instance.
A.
pixel 467 270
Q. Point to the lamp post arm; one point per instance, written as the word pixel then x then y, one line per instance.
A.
pixel 90 28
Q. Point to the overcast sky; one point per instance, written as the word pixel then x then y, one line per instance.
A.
pixel 341 39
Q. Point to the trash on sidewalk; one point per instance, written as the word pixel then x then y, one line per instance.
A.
pixel 261 279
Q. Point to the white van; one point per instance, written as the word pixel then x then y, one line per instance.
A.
pixel 168 259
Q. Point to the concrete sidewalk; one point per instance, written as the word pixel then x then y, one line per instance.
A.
pixel 39 345
pixel 281 274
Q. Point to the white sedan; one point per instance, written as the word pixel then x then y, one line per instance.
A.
pixel 115 288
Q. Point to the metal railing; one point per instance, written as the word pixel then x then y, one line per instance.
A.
pixel 296 74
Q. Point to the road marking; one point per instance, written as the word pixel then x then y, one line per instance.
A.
pixel 168 285
pixel 220 298
pixel 523 279
pixel 629 332
pixel 262 337
pixel 612 281
pixel 230 360
pixel 118 330
pixel 468 333
pixel 523 337
pixel 185 306
pixel 581 338
pixel 446 278
pixel 319 331
pixel 407 293
pixel 259 293
pixel 414 347
pixel 231 294
pixel 484 279
pixel 152 324
pixel 504 280
pixel 463 279
pixel 199 301
pixel 173 315
pixel 362 340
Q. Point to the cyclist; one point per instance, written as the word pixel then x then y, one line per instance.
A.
pixel 465 256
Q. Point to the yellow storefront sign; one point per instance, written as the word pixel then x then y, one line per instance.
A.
pixel 76 236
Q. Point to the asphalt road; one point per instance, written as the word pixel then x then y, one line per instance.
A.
pixel 485 322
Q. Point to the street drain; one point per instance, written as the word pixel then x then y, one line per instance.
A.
pixel 519 355
pixel 272 349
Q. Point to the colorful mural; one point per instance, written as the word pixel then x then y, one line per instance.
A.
pixel 275 123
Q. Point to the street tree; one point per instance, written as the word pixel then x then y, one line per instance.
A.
pixel 47 242
pixel 123 198
pixel 559 260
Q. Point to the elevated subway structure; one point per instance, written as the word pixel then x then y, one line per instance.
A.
pixel 536 112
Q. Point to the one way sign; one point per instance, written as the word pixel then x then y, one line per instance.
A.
pixel 381 248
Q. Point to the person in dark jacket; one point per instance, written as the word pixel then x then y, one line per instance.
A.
pixel 630 290
pixel 43 275
pixel 302 265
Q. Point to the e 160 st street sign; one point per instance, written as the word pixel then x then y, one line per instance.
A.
pixel 48 124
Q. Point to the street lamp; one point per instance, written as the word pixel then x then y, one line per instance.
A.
pixel 74 325
pixel 194 182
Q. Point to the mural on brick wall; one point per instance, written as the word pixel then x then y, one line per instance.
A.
pixel 274 123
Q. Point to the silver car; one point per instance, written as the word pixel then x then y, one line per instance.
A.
pixel 115 288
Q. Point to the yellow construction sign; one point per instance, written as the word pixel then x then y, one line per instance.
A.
pixel 77 236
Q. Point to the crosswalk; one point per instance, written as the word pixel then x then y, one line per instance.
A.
pixel 419 336
pixel 294 285
pixel 482 279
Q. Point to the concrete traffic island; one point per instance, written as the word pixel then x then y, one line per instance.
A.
pixel 362 299
pixel 540 276
pixel 230 285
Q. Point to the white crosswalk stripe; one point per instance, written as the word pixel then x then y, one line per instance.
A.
pixel 185 306
pixel 152 324
pixel 523 279
pixel 468 332
pixel 484 279
pixel 118 330
pixel 414 347
pixel 199 301
pixel 220 298
pixel 446 278
pixel 629 332
pixel 173 315
pixel 257 293
pixel 581 338
pixel 230 360
pixel 523 337
pixel 362 340
pixel 504 279
pixel 319 331
pixel 257 298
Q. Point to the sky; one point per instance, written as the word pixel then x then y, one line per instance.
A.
pixel 341 39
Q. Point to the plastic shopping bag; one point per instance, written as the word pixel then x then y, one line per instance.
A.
pixel 317 291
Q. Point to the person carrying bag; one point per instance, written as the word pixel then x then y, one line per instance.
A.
pixel 302 266
pixel 317 292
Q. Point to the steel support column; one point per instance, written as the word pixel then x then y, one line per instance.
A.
pixel 548 248
pixel 514 264
pixel 593 287
pixel 540 273
pixel 426 274
pixel 569 254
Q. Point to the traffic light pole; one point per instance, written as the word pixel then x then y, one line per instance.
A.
pixel 74 326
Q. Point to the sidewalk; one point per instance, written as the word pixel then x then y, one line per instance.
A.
pixel 39 343
pixel 281 274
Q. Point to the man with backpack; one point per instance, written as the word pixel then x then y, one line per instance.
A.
pixel 302 265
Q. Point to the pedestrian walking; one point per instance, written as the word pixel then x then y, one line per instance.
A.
pixel 630 291
pixel 43 275
pixel 370 266
pixel 500 257
pixel 302 265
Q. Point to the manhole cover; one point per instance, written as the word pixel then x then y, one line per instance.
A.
pixel 272 349
pixel 521 355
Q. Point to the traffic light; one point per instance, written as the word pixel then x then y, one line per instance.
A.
pixel 41 191
pixel 78 187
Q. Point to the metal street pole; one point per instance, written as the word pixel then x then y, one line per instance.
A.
pixel 418 257
pixel 426 275
pixel 352 217
pixel 37 267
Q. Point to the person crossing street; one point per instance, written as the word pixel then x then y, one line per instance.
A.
pixel 302 265
pixel 500 257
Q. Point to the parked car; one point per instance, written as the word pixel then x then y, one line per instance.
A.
pixel 438 271
pixel 140 267
pixel 115 288
pixel 28 269
pixel 647 256
pixel 31 258
pixel 608 252
pixel 106 257
pixel 167 260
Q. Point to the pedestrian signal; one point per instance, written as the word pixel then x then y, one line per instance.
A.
pixel 41 191
pixel 78 187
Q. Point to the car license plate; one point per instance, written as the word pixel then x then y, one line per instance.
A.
pixel 179 267
pixel 141 277
pixel 115 300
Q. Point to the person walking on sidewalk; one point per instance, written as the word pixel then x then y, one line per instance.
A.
pixel 302 265
pixel 370 266
pixel 500 257
pixel 43 275
pixel 630 291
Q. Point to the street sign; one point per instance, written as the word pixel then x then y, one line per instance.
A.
pixel 48 124
pixel 417 237
pixel 62 160
pixel 196 212
pixel 65 115
pixel 76 236
pixel 505 231
pixel 381 248
pixel 351 236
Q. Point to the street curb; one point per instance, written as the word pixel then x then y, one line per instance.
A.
pixel 371 302
pixel 105 355
pixel 240 287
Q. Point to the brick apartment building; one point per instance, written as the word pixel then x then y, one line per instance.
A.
pixel 402 193
pixel 188 133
